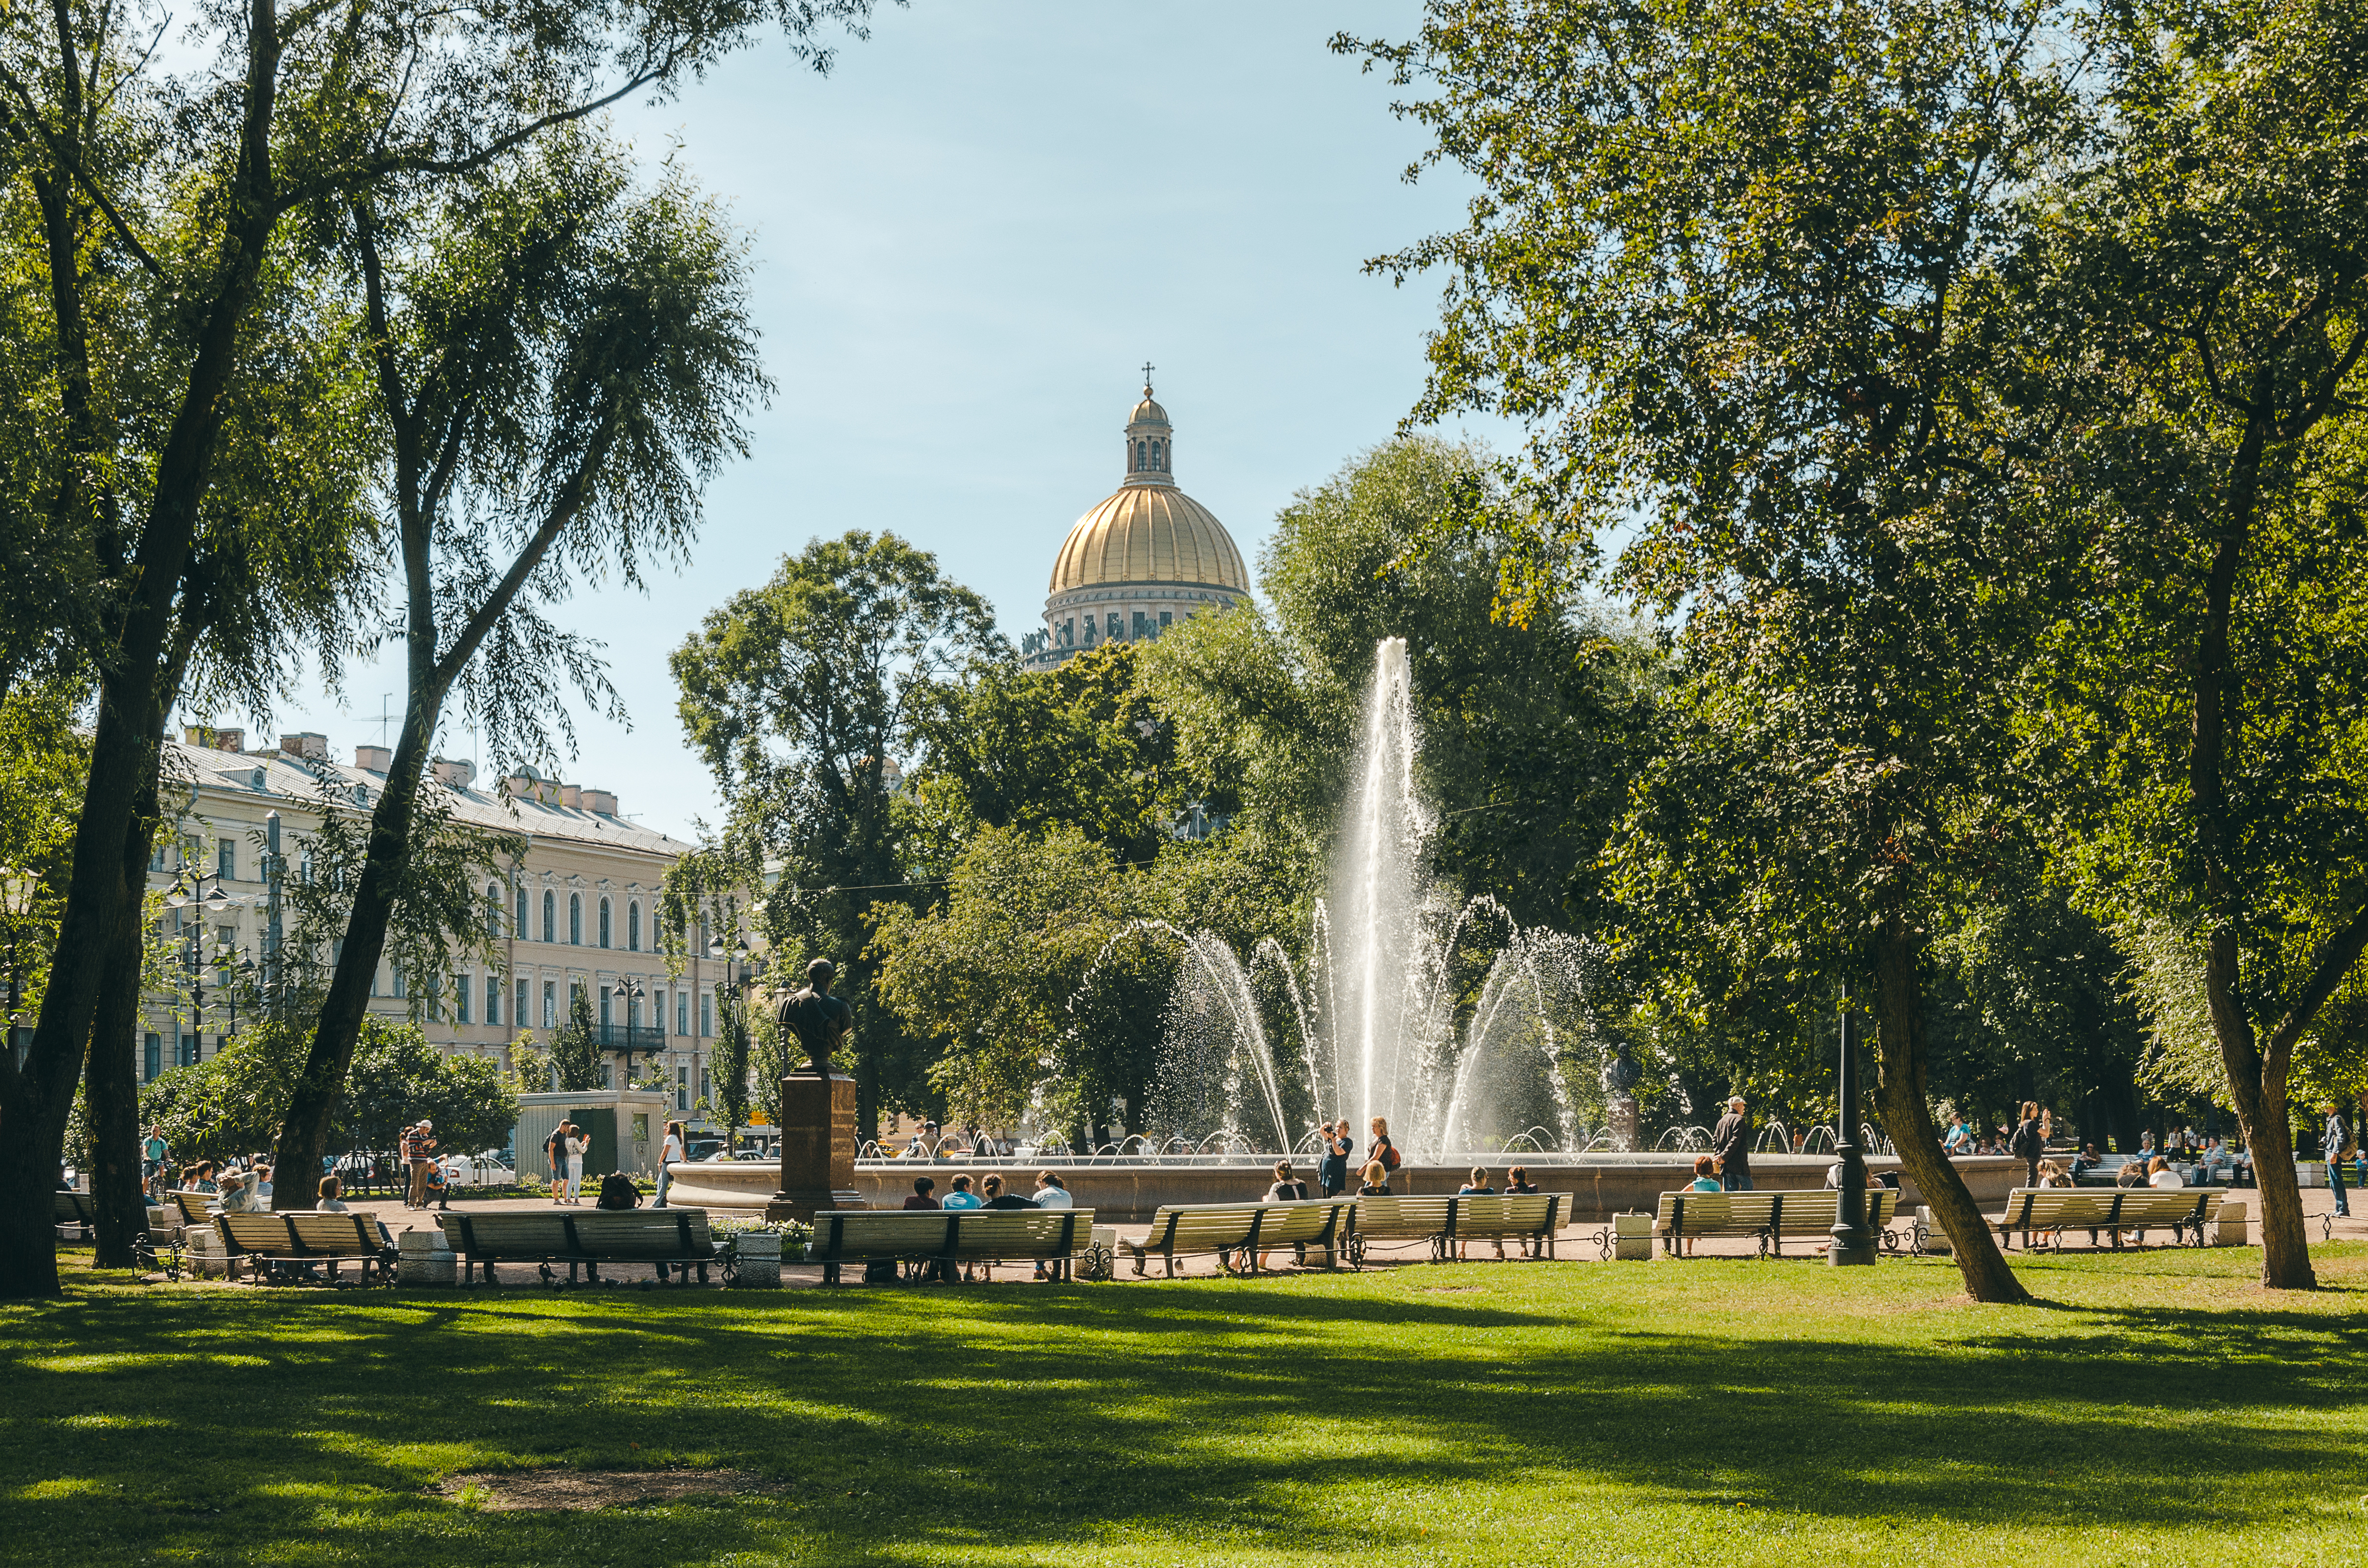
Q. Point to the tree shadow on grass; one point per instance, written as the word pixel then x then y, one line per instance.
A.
pixel 1199 1411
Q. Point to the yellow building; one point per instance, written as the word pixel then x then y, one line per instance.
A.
pixel 1147 557
pixel 579 910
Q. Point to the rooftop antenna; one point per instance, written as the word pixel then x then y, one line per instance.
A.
pixel 385 717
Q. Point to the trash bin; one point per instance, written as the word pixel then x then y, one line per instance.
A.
pixel 1632 1236
pixel 424 1257
pixel 2228 1229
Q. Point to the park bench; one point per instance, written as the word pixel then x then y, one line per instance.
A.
pixel 1768 1217
pixel 948 1238
pixel 74 1212
pixel 1316 1224
pixel 668 1238
pixel 2048 1212
pixel 1444 1220
pixel 284 1245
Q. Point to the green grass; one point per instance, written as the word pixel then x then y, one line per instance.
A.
pixel 2161 1409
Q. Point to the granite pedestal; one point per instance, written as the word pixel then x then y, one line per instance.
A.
pixel 817 1147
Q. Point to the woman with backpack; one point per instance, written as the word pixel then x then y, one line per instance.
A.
pixel 2028 1142
pixel 1382 1151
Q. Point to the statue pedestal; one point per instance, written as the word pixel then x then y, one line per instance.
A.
pixel 1622 1114
pixel 817 1146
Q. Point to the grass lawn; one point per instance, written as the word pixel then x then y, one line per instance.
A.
pixel 1730 1412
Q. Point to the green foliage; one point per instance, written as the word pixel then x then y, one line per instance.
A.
pixel 575 1048
pixel 232 1103
pixel 798 694
pixel 43 759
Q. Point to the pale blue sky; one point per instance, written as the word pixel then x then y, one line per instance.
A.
pixel 968 238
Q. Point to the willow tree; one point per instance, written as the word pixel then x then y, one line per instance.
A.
pixel 560 359
pixel 1725 266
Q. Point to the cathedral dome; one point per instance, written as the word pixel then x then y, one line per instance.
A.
pixel 1147 412
pixel 1149 533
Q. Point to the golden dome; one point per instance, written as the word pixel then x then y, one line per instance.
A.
pixel 1147 412
pixel 1149 533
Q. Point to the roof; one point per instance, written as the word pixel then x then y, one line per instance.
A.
pixel 1149 534
pixel 299 784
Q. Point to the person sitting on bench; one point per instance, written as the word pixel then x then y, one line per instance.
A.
pixel 1286 1189
pixel 332 1196
pixel 1705 1180
pixel 1477 1187
pixel 2051 1174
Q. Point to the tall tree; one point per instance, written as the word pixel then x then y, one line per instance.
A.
pixel 559 361
pixel 302 110
pixel 798 695
pixel 1720 267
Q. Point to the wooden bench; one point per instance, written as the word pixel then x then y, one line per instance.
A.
pixel 1444 1220
pixel 282 1246
pixel 191 1208
pixel 76 1211
pixel 948 1238
pixel 1768 1217
pixel 2049 1212
pixel 1249 1229
pixel 669 1238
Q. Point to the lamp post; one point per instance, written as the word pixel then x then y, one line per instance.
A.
pixel 729 991
pixel 183 895
pixel 1854 1240
pixel 634 995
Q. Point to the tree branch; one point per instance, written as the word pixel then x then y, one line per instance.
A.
pixel 73 167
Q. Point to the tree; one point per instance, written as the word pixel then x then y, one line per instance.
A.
pixel 727 1066
pixel 798 694
pixel 559 362
pixel 295 113
pixel 1726 266
pixel 575 1049
pixel 2210 276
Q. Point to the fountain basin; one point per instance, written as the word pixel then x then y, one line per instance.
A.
pixel 1126 1190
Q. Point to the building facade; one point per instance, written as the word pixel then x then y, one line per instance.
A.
pixel 1144 559
pixel 577 911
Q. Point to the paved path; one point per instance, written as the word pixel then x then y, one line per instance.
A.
pixel 1572 1243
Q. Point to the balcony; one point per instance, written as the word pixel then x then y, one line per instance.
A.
pixel 622 1038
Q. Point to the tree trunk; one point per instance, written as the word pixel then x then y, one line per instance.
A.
pixel 1900 1091
pixel 304 1128
pixel 111 1100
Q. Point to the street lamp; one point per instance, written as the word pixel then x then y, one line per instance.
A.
pixel 182 895
pixel 1854 1240
pixel 634 995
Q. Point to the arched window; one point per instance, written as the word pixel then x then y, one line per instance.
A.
pixel 1157 460
pixel 575 919
pixel 523 929
pixel 549 918
pixel 604 922
pixel 1139 456
pixel 633 928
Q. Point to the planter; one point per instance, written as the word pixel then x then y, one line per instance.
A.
pixel 1632 1236
pixel 2228 1229
pixel 757 1260
pixel 2310 1173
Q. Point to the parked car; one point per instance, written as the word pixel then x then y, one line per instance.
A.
pixel 486 1168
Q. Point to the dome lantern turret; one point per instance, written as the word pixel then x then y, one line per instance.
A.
pixel 1150 440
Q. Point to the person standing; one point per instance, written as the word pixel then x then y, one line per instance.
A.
pixel 419 1153
pixel 1332 1170
pixel 153 1153
pixel 578 1144
pixel 1381 1151
pixel 554 1149
pixel 668 1152
pixel 2028 1142
pixel 2337 1137
pixel 1730 1146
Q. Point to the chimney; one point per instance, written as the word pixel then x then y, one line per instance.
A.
pixel 600 801
pixel 211 739
pixel 458 773
pixel 571 796
pixel 373 759
pixel 304 742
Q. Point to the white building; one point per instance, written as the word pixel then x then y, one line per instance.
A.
pixel 579 910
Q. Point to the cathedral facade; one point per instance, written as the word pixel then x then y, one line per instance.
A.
pixel 1144 559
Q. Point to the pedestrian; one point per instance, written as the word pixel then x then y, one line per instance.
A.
pixel 668 1152
pixel 153 1153
pixel 1382 1150
pixel 2336 1138
pixel 579 1144
pixel 1332 1169
pixel 554 1149
pixel 2028 1142
pixel 1730 1147
pixel 418 1152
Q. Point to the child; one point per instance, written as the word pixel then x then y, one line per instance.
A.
pixel 1477 1187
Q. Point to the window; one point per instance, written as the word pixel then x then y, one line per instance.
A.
pixel 707 1014
pixel 189 1049
pixel 156 859
pixel 551 1004
pixel 549 918
pixel 152 1058
pixel 604 1009
pixel 682 1012
pixel 706 1087
pixel 1156 461
pixel 633 928
pixel 518 1014
pixel 461 999
pixel 1138 456
pixel 397 972
pixel 493 1000
pixel 226 859
pixel 604 922
pixel 494 910
pixel 681 1086
pixel 575 919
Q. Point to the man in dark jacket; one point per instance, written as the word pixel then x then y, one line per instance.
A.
pixel 2336 1137
pixel 1730 1144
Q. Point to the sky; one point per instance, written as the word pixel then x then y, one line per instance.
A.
pixel 968 239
